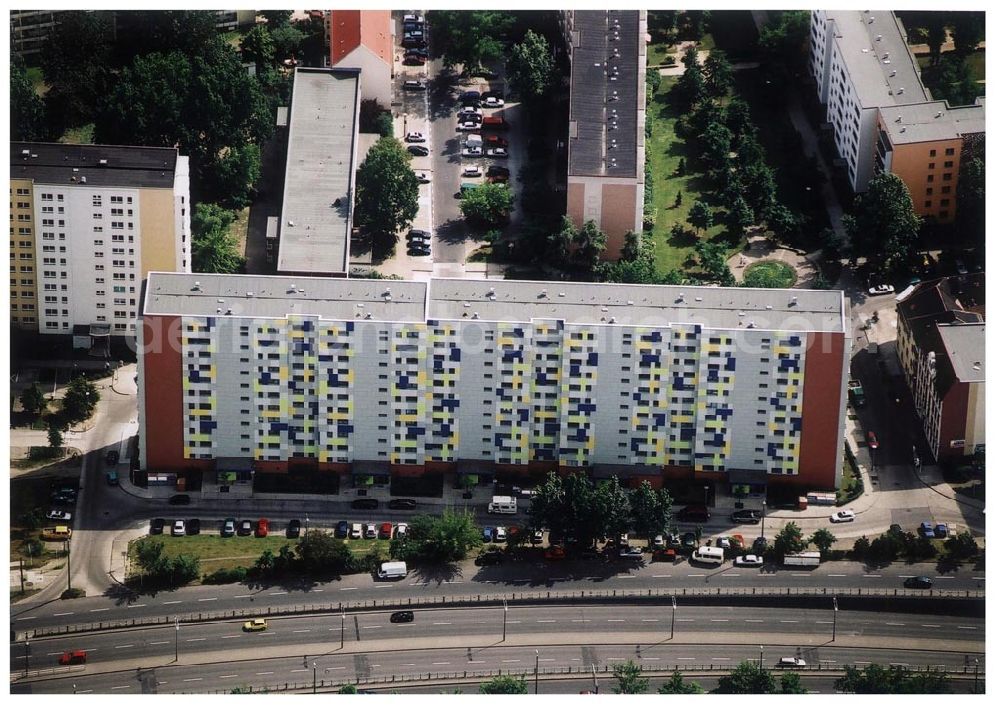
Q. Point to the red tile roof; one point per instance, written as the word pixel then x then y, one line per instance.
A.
pixel 350 29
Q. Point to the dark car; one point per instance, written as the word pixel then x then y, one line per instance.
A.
pixel 342 529
pixel 364 504
pixel 896 528
pixel 64 499
pixel 760 545
pixel 418 252
pixel 694 514
pixel 940 530
pixel 294 528
pixel 179 499
pixel 245 527
pixel 402 504
pixel 926 530
pixel 418 150
pixel 414 60
pixel 745 515
pixel 193 526
pixel 414 86
pixel 417 234
pixel 401 617
pixel 156 526
pixel 413 41
pixel 918 583
pixel 490 557
pixel 111 457
pixel 689 541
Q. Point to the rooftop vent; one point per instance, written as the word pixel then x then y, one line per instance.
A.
pixel 767 306
pixel 899 92
pixel 83 180
pixel 750 325
pixel 878 37
pixel 612 320
pixel 562 294
pixel 939 114
pixel 466 304
pixel 229 311
pixel 475 315
pixel 197 285
pixel 221 301
pixel 25 152
pixel 902 129
pixel 604 309
pixel 360 304
pixel 218 310
pixel 103 163
pixel 249 294
pixel 368 315
pixel 795 301
pixel 864 50
pixel 629 302
pixel 892 73
pixel 741 314
pixel 698 299
pixel 977 366
pixel 871 19
pixel 899 119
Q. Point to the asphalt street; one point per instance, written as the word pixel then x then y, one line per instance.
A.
pixel 220 655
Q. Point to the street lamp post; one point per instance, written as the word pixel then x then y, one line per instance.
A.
pixel 343 617
pixel 835 618
pixel 762 657
pixel 69 573
pixel 536 672
pixel 763 512
pixel 975 684
pixel 504 620
pixel 314 678
pixel 673 615
pixel 177 633
pixel 706 495
pixel 27 652
pixel 307 522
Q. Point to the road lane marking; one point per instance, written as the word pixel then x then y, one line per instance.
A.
pixel 754 621
pixel 824 622
pixel 347 589
pixel 274 594
pixel 299 670
pixel 979 578
pixel 513 660
pixel 442 623
pixel 801 574
pixel 121 687
pixel 65 613
pixel 966 627
pixel 661 576
pixel 267 672
pixel 367 627
pixel 84 692
pixel 302 630
pixel 477 661
pixel 623 576
pixel 720 658
pixel 234 675
pixel 871 575
pixel 836 575
pixel 177 601
pixel 905 576
pixel 513 622
pixel 418 584
pixel 940 576
pixel 191 679
pixel 545 660
pixel 931 625
pixel 236 635
pixel 454 581
pixel 581 621
pixel 650 620
pixel 444 663
pixel 338 668
pixel 196 639
pixel 316 591
pixel 127 645
pixel 104 609
pixel 210 599
pixel 546 621
pixel 696 575
pixel 616 621
pixel 789 621
pixel 680 620
pixel 134 606
pixel 720 621
pixel 410 665
pixel 27 618
pixel 157 643
pixel 382 586
pixel 893 624
pixel 242 596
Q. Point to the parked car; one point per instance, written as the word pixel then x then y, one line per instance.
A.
pixel 500 534
pixel 790 663
pixel 415 137
pixel 493 102
pixel 661 554
pixel 418 251
pixel 356 531
pixel 401 530
pixel 918 583
pixel 73 658
pixel 472 152
pixel 881 289
pixel 536 537
pixel 842 517
pixel 940 530
pixel 194 526
pixel 926 530
pixel 493 140
pixel 342 529
pixel 294 528
pixel 498 152
pixel 472 171
pixel 745 515
pixel 490 557
pixel 689 541
pixel 658 541
pixel 497 179
pixel 423 177
pixel 723 542
pixel 488 534
pixel 371 532
pixel 413 40
pixel 401 617
pixel 693 514
pixel 467 125
pixel 872 440
pixel 156 526
pixel 228 527
pixel 417 150
pixel 415 234
pixel 364 504
pixel 630 553
pixel 895 528
pixel 59 515
pixel 414 59
pixel 263 526
pixel 254 625
pixel 556 552
pixel 111 457
pixel 245 528
pixel 737 540
pixel 469 113
pixel 469 94
pixel 749 561
pixel 385 531
pixel 497 170
pixel 403 504
pixel 180 499
pixel 112 478
pixel 179 529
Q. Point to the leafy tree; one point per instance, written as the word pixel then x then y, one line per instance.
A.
pixel 445 538
pixel 487 205
pixel 862 546
pixel 27 109
pixel 712 255
pixel 213 249
pixel 150 558
pixel 632 247
pixel 700 216
pixel 276 18
pixel 651 510
pixel 972 196
pixel 531 68
pixel 695 22
pixel 885 548
pixel 784 40
pixel 558 243
pixel 967 30
pixel 258 46
pixel 823 539
pixel 612 503
pixel 320 551
pixel 739 216
pixel 590 243
pixel 789 540
pixel 384 125
pixel 882 225
pixel 676 686
pixel 718 73
pixel 951 80
pixel 962 546
pixel 690 88
pixel 190 32
pixel 265 563
pixel 80 400
pixel 567 506
pixel 348 690
pixel 75 62
pixel 758 179
pixel 470 37
pixel 716 143
pixel 233 174
pixel 783 222
pixel 387 192
pixel 33 399
pixel 935 35
pixel 629 680
pixel 791 684
pixel 875 679
pixel 739 120
pixel 748 678
pixel 55 436
pixel 504 685
pixel 287 41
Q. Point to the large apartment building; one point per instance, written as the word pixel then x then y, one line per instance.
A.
pixel 941 339
pixel 491 378
pixel 87 223
pixel 607 121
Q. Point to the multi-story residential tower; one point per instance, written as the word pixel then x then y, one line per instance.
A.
pixel 362 39
pixel 381 378
pixel 941 341
pixel 607 119
pixel 882 115
pixel 317 208
pixel 88 222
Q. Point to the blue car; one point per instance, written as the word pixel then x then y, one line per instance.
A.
pixel 488 534
pixel 940 530
pixel 342 529
pixel 926 530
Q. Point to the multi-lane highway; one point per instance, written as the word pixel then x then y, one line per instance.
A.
pixel 219 655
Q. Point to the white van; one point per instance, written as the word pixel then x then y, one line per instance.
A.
pixel 709 555
pixel 474 140
pixel 392 570
pixel 503 504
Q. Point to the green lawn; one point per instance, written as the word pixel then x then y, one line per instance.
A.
pixel 773 272
pixel 238 229
pixel 977 63
pixel 37 80
pixel 79 136
pixel 665 150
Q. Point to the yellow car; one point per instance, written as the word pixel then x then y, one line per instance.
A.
pixel 255 625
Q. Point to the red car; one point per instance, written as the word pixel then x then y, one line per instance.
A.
pixel 872 440
pixel 385 531
pixel 555 553
pixel 263 525
pixel 73 658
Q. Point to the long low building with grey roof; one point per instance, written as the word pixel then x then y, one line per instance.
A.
pixel 243 375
